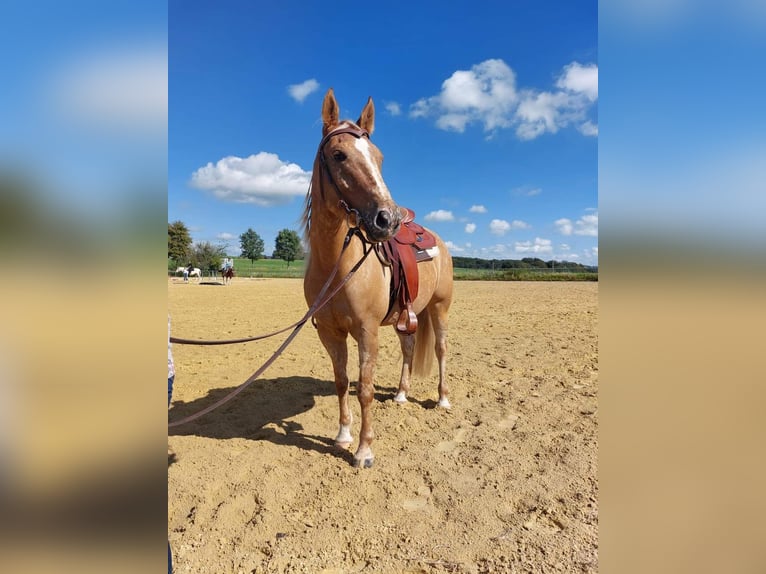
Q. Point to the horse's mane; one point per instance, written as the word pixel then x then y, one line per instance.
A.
pixel 314 184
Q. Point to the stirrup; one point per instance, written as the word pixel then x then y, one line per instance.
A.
pixel 408 321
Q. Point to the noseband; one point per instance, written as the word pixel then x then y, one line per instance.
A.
pixel 357 133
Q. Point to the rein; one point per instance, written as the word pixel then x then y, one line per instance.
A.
pixel 320 302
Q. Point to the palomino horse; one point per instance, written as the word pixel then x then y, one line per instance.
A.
pixel 227 273
pixel 347 189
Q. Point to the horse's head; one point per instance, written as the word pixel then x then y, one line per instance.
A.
pixel 351 168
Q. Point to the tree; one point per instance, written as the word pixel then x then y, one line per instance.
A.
pixel 288 246
pixel 179 242
pixel 207 256
pixel 251 244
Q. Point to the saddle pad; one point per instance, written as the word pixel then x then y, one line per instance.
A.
pixel 426 254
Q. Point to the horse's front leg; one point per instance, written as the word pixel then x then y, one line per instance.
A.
pixel 335 344
pixel 368 357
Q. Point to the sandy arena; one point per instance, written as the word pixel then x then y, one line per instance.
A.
pixel 506 481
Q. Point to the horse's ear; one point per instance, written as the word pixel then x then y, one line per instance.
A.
pixel 366 120
pixel 330 112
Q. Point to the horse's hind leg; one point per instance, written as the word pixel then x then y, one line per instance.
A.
pixel 439 313
pixel 407 343
pixel 335 344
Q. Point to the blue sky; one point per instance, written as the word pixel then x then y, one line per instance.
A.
pixel 486 114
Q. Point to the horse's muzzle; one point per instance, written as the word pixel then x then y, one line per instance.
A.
pixel 385 224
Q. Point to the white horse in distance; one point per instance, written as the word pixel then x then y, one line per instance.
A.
pixel 196 272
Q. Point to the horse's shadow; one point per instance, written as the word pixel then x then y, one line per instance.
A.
pixel 260 412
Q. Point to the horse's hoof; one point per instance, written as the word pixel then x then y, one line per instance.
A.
pixel 363 463
pixel 400 398
pixel 342 445
pixel 444 403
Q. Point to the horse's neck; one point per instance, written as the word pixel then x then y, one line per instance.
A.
pixel 326 238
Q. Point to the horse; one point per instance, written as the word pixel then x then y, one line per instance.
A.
pixel 227 273
pixel 196 272
pixel 347 190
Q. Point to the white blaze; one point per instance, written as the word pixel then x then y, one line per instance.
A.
pixel 363 146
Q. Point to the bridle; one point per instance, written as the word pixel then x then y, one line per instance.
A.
pixel 343 203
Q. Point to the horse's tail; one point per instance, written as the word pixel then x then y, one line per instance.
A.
pixel 425 340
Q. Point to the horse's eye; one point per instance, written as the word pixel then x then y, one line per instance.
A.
pixel 339 155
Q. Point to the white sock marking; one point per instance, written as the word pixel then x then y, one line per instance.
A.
pixel 344 434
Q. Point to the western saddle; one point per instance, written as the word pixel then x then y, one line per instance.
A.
pixel 403 252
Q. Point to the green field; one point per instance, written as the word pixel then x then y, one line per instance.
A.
pixel 462 274
pixel 278 268
pixel 268 268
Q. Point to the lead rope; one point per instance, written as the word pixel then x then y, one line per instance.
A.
pixel 318 304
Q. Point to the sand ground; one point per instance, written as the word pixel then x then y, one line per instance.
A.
pixel 506 481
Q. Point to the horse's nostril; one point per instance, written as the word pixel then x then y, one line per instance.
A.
pixel 383 219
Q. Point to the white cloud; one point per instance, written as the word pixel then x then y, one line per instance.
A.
pixel 499 226
pixel 484 94
pixel 470 227
pixel 517 224
pixel 440 215
pixel 586 225
pixel 588 128
pixel 453 248
pixel 581 79
pixel 300 92
pixel 539 112
pixel 564 226
pixel 225 236
pixel 498 249
pixel 487 94
pixel 393 108
pixel 420 109
pixel 478 209
pixel 539 246
pixel 527 191
pixel 262 179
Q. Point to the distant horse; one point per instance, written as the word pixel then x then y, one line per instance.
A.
pixel 227 273
pixel 196 272
pixel 347 189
